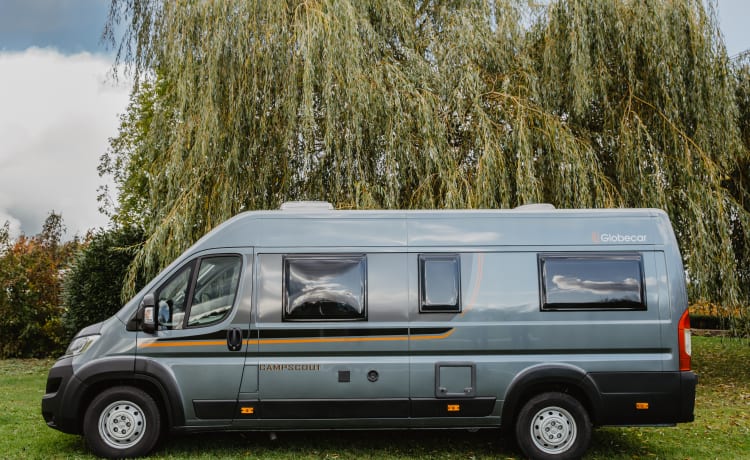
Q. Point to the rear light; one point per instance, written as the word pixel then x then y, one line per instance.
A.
pixel 683 336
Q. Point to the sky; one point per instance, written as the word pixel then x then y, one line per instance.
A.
pixel 59 106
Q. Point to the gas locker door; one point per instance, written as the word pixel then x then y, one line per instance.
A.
pixel 333 338
pixel 200 308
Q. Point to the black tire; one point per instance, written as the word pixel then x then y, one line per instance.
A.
pixel 553 426
pixel 122 422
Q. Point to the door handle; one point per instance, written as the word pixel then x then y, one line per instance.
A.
pixel 234 339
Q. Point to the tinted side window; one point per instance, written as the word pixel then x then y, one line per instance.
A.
pixel 215 289
pixel 173 299
pixel 325 287
pixel 440 283
pixel 592 281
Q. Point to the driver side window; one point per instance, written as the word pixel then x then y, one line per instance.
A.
pixel 172 299
pixel 199 294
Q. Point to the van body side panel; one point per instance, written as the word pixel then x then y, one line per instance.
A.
pixel 503 331
pixel 330 369
pixel 534 230
pixel 305 234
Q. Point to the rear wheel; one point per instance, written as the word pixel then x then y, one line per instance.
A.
pixel 122 422
pixel 553 426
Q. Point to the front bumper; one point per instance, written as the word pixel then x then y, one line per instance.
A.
pixel 54 410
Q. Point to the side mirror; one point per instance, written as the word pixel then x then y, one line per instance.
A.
pixel 148 309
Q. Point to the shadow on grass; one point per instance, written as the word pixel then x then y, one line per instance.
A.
pixel 631 443
pixel 607 443
pixel 343 444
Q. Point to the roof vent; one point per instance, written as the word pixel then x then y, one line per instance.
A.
pixel 535 207
pixel 306 206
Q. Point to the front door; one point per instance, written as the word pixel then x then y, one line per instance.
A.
pixel 199 341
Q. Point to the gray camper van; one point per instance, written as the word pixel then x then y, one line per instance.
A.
pixel 545 322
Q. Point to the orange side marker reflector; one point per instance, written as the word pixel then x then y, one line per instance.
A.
pixel 247 410
pixel 641 405
pixel 454 407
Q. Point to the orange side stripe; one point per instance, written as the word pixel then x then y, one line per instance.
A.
pixel 433 337
pixel 351 339
pixel 182 343
pixel 204 343
pixel 330 340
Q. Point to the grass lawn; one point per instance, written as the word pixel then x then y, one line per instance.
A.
pixel 721 429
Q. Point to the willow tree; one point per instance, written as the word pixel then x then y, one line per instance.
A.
pixel 429 104
pixel 739 182
pixel 648 85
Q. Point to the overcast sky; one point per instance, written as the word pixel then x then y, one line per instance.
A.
pixel 58 108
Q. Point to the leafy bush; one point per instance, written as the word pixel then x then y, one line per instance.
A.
pixel 708 322
pixel 92 288
pixel 706 315
pixel 30 276
pixel 740 326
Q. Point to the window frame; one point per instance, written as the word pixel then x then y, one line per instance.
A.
pixel 421 260
pixel 190 268
pixel 194 267
pixel 285 266
pixel 634 256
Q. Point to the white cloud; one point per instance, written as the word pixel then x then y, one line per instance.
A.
pixel 56 115
pixel 14 225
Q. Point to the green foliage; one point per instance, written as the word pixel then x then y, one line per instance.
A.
pixel 649 83
pixel 708 322
pixel 127 161
pixel 92 287
pixel 433 104
pixel 739 182
pixel 30 276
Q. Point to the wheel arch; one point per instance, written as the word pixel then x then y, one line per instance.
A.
pixel 154 379
pixel 543 378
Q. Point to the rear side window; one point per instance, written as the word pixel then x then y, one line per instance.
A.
pixel 592 281
pixel 439 283
pixel 215 289
pixel 325 287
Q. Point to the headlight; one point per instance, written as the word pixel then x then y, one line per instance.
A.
pixel 81 344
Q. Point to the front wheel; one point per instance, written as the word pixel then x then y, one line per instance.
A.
pixel 553 426
pixel 122 422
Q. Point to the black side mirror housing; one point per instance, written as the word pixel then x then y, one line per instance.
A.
pixel 148 313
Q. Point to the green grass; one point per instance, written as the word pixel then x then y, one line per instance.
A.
pixel 721 429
